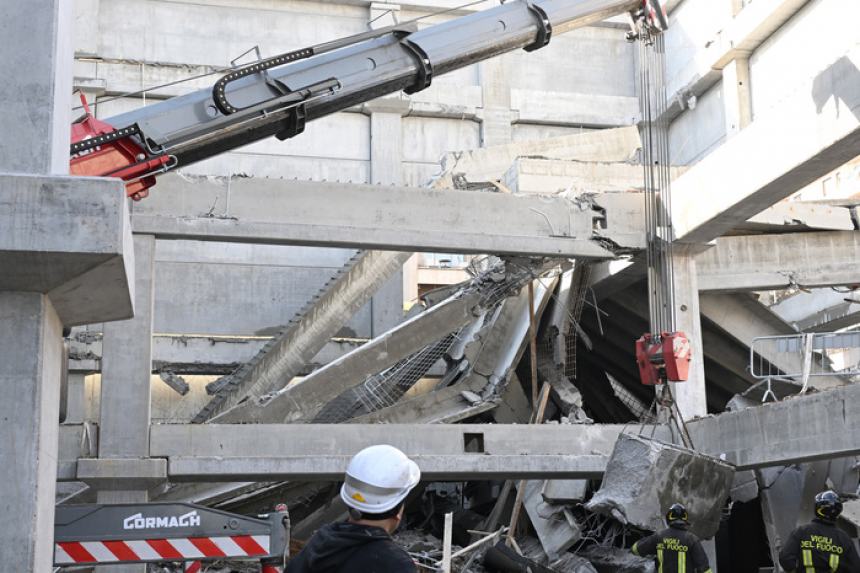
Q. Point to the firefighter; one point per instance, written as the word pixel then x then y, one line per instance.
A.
pixel 377 481
pixel 677 550
pixel 820 545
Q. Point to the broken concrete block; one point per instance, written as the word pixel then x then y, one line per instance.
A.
pixel 616 560
pixel 744 486
pixel 565 490
pixel 644 477
pixel 555 532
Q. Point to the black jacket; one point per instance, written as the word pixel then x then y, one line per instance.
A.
pixel 677 551
pixel 822 546
pixel 351 548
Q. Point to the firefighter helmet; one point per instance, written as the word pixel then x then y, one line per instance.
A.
pixel 677 513
pixel 828 505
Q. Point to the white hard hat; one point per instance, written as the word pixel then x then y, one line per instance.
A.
pixel 378 478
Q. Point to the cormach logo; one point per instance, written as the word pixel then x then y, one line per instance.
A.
pixel 138 521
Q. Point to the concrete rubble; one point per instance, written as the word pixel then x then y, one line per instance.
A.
pixel 645 476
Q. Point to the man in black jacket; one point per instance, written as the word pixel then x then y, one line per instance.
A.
pixel 677 550
pixel 820 546
pixel 375 487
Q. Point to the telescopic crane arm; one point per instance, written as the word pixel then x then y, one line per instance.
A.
pixel 279 95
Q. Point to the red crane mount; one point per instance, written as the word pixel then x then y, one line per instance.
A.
pixel 663 358
pixel 177 536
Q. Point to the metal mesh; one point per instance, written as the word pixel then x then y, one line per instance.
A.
pixel 576 301
pixel 386 388
pixel 493 278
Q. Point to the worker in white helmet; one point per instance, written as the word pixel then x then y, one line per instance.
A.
pixel 375 487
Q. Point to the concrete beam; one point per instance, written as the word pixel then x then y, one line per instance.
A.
pixel 322 451
pixel 438 467
pixel 200 354
pixel 744 318
pixel 548 176
pixel 772 158
pixel 822 310
pixel 795 430
pixel 813 427
pixel 69 238
pixel 788 216
pixel 491 163
pixel 282 359
pixel 770 262
pixel 306 398
pixel 387 218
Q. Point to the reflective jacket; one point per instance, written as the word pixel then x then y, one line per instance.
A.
pixel 677 551
pixel 819 547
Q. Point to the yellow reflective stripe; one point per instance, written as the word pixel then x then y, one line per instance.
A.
pixel 682 562
pixel 660 561
pixel 807 561
pixel 834 562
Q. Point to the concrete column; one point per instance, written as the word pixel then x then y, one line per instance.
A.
pixel 35 94
pixel 124 406
pixel 386 168
pixel 737 95
pixel 76 398
pixel 32 351
pixel 497 116
pixel 41 31
pixel 690 395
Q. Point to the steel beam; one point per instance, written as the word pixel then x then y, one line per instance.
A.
pixel 371 217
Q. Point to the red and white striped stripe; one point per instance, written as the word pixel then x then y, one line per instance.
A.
pixel 178 549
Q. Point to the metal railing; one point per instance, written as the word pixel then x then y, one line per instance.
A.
pixel 799 357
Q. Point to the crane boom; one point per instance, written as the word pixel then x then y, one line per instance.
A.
pixel 278 95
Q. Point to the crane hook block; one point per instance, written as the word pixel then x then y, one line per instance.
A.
pixel 663 358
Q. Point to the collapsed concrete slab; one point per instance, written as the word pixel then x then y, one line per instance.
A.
pixel 564 490
pixel 644 477
pixel 555 531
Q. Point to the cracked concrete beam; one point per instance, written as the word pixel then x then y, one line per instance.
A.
pixel 305 398
pixel 284 356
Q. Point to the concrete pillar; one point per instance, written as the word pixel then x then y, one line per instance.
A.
pixel 496 115
pixel 737 95
pixel 32 351
pixel 124 405
pixel 35 95
pixel 41 68
pixel 76 398
pixel 690 395
pixel 386 168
